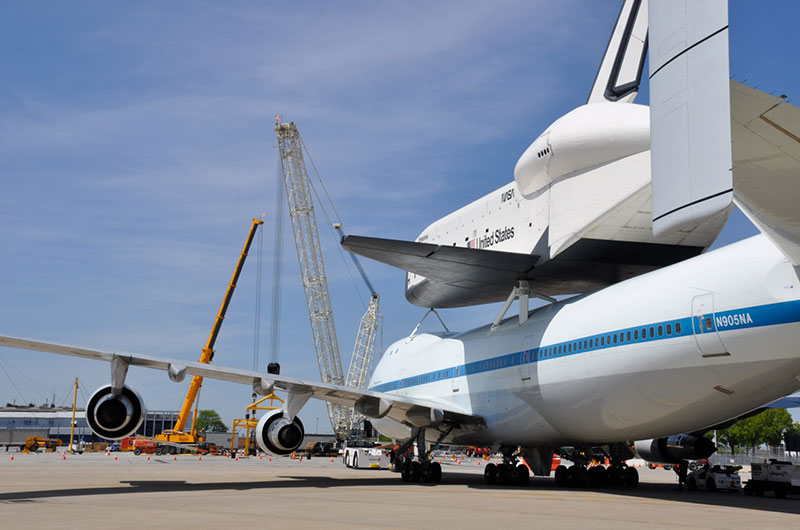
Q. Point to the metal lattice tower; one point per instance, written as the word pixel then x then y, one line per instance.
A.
pixel 312 269
pixel 362 353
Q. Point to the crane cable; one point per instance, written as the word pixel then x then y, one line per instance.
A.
pixel 257 325
pixel 277 266
pixel 330 223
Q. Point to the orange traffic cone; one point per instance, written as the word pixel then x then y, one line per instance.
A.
pixel 331 460
pixel 12 458
pixel 269 459
pixel 148 458
pixel 116 458
pixel 175 458
pixel 200 459
pixel 63 456
pixel 237 458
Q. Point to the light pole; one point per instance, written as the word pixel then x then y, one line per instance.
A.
pixel 317 430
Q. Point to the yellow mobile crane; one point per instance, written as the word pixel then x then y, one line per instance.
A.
pixel 177 434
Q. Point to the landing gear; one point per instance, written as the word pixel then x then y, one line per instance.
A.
pixel 420 469
pixel 582 474
pixel 509 473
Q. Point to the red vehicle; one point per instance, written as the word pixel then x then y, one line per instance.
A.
pixel 143 446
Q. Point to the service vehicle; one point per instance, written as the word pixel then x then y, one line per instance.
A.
pixel 365 455
pixel 139 446
pixel 779 477
pixel 715 478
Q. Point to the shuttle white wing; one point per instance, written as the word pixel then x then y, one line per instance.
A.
pixel 689 112
pixel 410 411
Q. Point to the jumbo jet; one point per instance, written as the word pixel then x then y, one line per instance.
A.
pixel 654 360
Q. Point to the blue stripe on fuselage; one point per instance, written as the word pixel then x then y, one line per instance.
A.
pixel 757 316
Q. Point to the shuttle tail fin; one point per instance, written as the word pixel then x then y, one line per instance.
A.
pixel 620 73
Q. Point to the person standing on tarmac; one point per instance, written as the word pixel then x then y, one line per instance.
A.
pixel 681 470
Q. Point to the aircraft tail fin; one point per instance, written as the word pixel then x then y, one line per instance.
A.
pixel 690 126
pixel 620 73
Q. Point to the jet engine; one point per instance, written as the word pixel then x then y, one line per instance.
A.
pixel 115 417
pixel 277 435
pixel 674 449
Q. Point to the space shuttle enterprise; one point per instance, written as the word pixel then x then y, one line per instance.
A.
pixel 578 215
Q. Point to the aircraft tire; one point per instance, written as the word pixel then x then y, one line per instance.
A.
pixel 416 471
pixel 692 484
pixel 405 470
pixel 355 460
pixel 597 476
pixel 710 484
pixel 523 477
pixel 137 451
pixel 561 476
pixel 490 474
pixel 436 472
pixel 631 477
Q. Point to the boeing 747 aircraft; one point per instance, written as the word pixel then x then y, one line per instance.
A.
pixel 655 359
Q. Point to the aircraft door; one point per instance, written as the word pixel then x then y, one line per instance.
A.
pixel 526 366
pixel 704 327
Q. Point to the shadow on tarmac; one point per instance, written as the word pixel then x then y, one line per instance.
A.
pixel 656 491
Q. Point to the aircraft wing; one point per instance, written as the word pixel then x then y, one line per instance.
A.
pixel 765 132
pixel 467 276
pixel 410 411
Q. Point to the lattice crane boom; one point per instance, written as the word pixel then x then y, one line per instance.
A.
pixel 312 268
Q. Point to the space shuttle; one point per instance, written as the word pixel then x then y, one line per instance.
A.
pixel 578 215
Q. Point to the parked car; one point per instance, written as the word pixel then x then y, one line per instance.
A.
pixel 715 478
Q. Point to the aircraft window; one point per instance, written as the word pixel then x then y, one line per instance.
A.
pixel 569 348
pixel 652 332
pixel 602 341
pixel 677 328
pixel 585 345
pixel 596 342
pixel 669 329
pixel 608 340
pixel 709 325
pixel 635 334
pixel 660 331
pixel 615 338
pixel 629 336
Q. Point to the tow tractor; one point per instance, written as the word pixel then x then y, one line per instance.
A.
pixel 365 455
pixel 715 478
pixel 776 476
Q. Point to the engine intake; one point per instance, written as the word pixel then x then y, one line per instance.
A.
pixel 277 435
pixel 115 417
pixel 674 449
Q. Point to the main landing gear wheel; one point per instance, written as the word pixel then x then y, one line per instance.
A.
pixel 578 476
pixel 523 477
pixel 631 477
pixel 597 476
pixel 562 476
pixel 490 474
pixel 416 471
pixel 431 472
pixel 405 470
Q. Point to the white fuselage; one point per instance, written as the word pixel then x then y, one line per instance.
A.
pixel 675 350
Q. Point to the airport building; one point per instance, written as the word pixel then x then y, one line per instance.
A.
pixel 18 422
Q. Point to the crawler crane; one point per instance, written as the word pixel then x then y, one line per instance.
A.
pixel 315 284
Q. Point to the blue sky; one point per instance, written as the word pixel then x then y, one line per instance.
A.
pixel 137 144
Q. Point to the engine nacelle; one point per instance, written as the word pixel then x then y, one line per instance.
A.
pixel 674 449
pixel 586 137
pixel 277 435
pixel 115 417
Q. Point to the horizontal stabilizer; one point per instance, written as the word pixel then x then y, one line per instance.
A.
pixel 690 125
pixel 766 164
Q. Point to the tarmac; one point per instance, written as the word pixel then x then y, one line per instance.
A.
pixel 122 490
